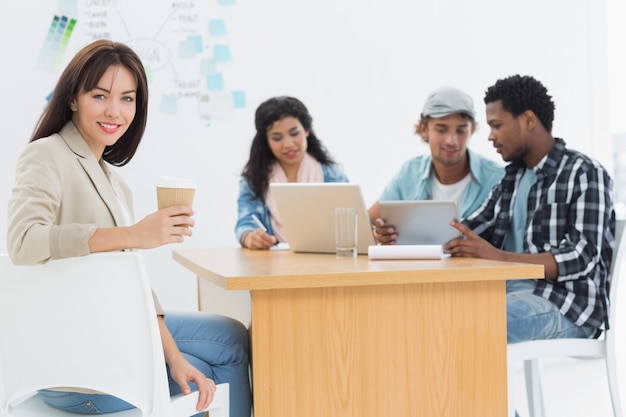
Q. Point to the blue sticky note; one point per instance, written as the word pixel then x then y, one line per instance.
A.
pixel 207 67
pixel 239 99
pixel 169 104
pixel 187 49
pixel 197 41
pixel 226 2
pixel 215 82
pixel 217 27
pixel 221 53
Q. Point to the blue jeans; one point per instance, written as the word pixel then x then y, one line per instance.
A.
pixel 217 346
pixel 531 316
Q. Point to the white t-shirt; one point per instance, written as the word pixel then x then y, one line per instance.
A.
pixel 449 192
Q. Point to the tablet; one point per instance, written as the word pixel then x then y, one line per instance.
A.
pixel 423 222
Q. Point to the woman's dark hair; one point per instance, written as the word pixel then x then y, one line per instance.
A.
pixel 520 93
pixel 81 75
pixel 259 165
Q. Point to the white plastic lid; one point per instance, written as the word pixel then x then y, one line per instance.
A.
pixel 175 182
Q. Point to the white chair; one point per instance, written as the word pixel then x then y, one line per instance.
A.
pixel 85 322
pixel 532 351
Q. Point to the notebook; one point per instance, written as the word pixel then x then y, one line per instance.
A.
pixel 307 212
pixel 423 222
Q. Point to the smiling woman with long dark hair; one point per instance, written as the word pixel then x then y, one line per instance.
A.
pixel 68 201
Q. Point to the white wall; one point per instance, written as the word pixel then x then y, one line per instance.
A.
pixel 616 41
pixel 363 68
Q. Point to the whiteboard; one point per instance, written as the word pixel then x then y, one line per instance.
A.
pixel 363 68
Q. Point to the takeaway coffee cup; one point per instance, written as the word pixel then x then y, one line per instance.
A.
pixel 174 191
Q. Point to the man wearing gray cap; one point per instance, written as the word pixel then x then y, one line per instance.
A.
pixel 451 171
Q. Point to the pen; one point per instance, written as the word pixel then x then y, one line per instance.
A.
pixel 258 223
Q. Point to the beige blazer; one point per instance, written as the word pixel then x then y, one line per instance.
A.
pixel 61 195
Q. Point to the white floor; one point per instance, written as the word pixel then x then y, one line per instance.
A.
pixel 573 388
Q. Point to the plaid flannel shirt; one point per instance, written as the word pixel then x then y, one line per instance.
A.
pixel 571 214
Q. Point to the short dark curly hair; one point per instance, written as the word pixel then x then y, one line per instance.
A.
pixel 520 93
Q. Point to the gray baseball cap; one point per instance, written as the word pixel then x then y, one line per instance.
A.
pixel 446 101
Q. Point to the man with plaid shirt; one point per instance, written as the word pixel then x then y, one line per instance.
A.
pixel 554 207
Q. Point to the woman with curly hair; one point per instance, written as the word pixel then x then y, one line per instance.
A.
pixel 284 149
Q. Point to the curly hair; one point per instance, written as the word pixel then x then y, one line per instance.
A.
pixel 259 166
pixel 82 74
pixel 520 93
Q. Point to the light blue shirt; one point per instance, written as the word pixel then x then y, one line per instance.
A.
pixel 514 241
pixel 412 182
pixel 249 204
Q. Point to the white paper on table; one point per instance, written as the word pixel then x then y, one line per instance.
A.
pixel 280 246
pixel 406 252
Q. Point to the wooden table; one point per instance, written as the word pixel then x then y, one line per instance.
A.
pixel 354 337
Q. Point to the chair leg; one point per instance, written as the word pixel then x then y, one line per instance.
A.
pixel 611 372
pixel 534 388
pixel 511 376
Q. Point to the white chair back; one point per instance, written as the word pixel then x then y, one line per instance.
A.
pixel 619 253
pixel 85 322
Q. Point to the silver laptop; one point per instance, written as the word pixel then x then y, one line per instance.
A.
pixel 307 212
pixel 423 222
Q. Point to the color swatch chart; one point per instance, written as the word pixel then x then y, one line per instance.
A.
pixel 51 55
